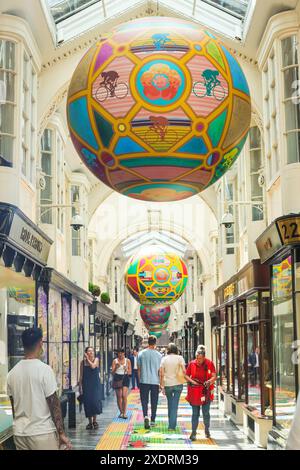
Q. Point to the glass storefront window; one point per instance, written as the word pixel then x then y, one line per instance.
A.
pixel 253 352
pixel 283 339
pixel 17 312
pixel 223 340
pixel 241 341
pixel 266 355
pixel 235 350
pixel 229 348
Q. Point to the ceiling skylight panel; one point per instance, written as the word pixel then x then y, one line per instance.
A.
pixel 63 9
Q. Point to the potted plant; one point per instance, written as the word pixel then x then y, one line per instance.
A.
pixel 94 289
pixel 105 299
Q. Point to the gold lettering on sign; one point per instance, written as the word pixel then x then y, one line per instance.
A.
pixel 289 230
pixel 229 291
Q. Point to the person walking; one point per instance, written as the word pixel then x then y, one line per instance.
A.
pixel 134 369
pixel 172 377
pixel 32 388
pixel 121 370
pixel 149 376
pixel 90 387
pixel 201 375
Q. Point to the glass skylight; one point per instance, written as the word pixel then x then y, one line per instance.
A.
pixel 169 242
pixel 236 8
pixel 70 18
pixel 62 9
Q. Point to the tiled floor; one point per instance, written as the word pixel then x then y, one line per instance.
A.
pixel 114 433
pixel 87 440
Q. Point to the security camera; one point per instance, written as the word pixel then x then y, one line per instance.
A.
pixel 77 222
pixel 227 220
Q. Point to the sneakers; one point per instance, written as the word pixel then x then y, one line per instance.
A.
pixel 207 433
pixel 152 424
pixel 146 423
pixel 193 436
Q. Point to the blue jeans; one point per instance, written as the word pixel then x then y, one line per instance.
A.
pixel 173 395
pixel 153 390
pixel 196 416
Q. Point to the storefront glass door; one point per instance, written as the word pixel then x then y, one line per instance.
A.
pixel 283 340
pixel 253 352
pixel 17 312
pixel 241 341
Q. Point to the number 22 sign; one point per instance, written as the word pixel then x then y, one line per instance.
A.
pixel 289 230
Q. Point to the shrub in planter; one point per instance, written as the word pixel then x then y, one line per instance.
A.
pixel 105 299
pixel 94 289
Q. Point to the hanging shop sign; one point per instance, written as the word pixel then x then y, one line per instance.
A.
pixel 284 231
pixel 29 239
pixel 21 233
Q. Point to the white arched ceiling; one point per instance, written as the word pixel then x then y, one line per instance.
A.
pixel 119 217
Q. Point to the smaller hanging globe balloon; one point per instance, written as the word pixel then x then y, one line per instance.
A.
pixel 154 276
pixel 155 327
pixel 155 315
pixel 157 334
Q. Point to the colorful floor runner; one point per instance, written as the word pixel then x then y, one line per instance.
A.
pixel 131 435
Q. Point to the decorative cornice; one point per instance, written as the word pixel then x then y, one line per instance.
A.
pixel 53 105
pixel 87 39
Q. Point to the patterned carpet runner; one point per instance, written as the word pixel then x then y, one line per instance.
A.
pixel 131 435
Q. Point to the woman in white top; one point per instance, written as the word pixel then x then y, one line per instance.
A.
pixel 172 371
pixel 121 370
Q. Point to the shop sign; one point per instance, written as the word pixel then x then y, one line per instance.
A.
pixel 289 229
pixel 29 239
pixel 268 243
pixel 229 291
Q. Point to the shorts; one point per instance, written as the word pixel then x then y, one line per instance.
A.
pixel 39 442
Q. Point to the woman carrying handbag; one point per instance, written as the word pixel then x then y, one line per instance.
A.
pixel 201 375
pixel 121 370
pixel 172 378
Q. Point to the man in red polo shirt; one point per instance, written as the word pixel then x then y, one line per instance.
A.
pixel 201 375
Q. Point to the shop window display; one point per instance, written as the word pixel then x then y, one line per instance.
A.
pixel 241 341
pixel 253 352
pixel 283 331
pixel 229 351
pixel 235 350
pixel 17 312
pixel 223 341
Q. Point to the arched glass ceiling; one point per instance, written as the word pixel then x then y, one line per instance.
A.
pixel 73 17
pixel 169 242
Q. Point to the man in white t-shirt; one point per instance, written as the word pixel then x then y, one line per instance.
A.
pixel 31 386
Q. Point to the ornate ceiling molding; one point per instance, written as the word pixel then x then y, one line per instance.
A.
pixel 52 107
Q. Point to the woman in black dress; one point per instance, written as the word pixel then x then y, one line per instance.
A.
pixel 89 387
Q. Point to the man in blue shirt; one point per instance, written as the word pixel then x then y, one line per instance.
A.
pixel 148 370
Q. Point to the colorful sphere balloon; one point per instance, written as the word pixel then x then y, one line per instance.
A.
pixel 159 110
pixel 156 277
pixel 155 315
pixel 155 327
pixel 157 334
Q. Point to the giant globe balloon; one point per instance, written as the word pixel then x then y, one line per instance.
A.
pixel 156 327
pixel 155 315
pixel 154 276
pixel 159 110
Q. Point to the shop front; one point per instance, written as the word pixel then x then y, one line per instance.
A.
pixel 279 248
pixel 63 315
pixel 241 345
pixel 24 251
pixel 128 337
pixel 101 318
